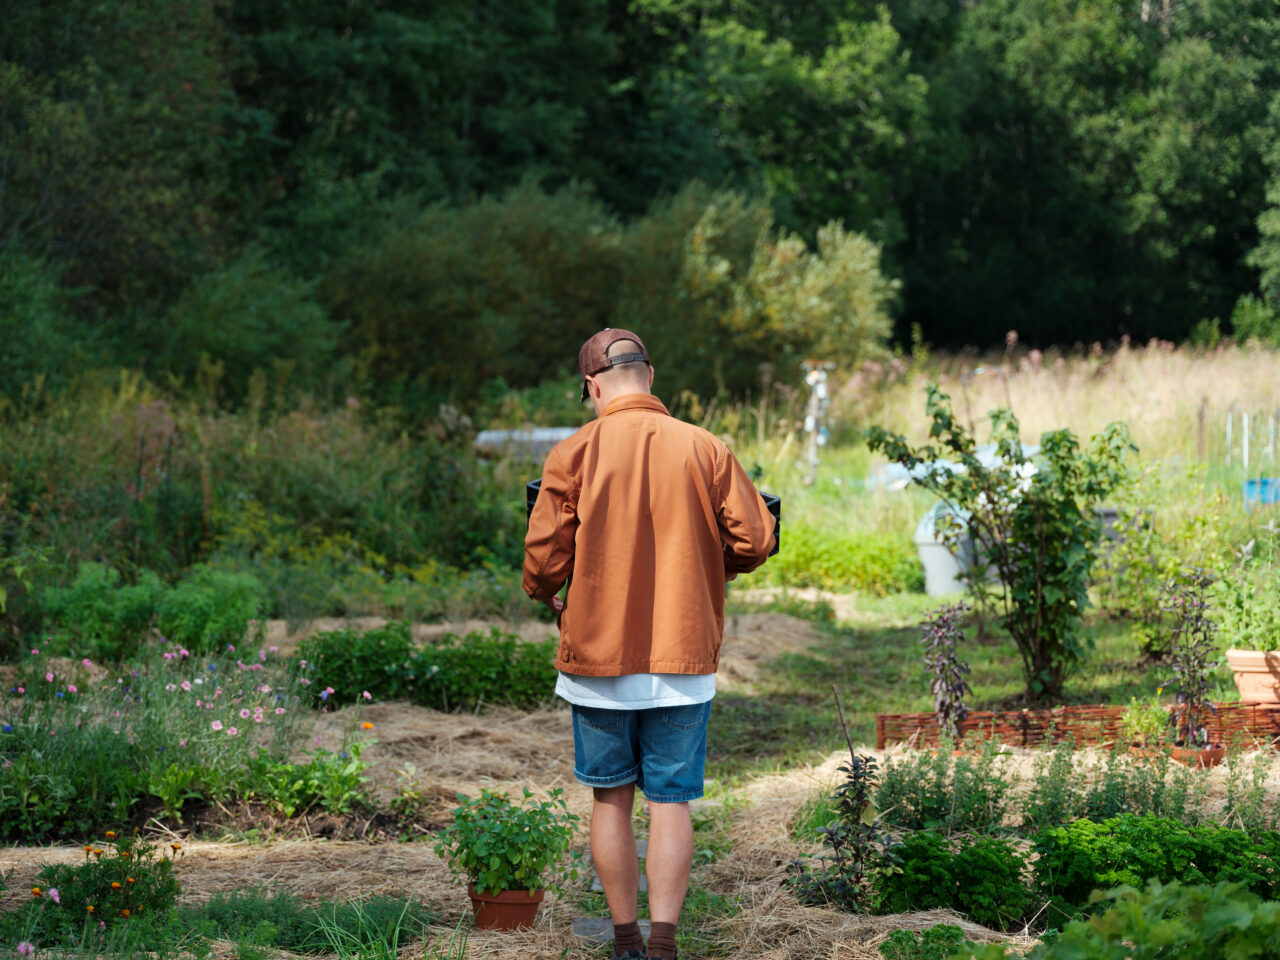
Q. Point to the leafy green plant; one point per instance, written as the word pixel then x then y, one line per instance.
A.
pixel 946 792
pixel 1033 524
pixel 855 843
pixel 983 878
pixel 450 673
pixel 833 560
pixel 1172 921
pixel 173 785
pixel 938 942
pixel 1076 859
pixel 1145 723
pixel 499 845
pixel 121 877
pixel 1247 607
pixel 334 782
pixel 99 617
pixel 369 930
pixel 211 608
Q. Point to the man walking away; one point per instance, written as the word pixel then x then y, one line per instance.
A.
pixel 645 517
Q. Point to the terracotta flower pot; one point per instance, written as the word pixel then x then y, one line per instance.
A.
pixel 1210 757
pixel 1257 675
pixel 508 910
pixel 1145 753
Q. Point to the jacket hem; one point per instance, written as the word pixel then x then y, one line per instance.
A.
pixel 637 666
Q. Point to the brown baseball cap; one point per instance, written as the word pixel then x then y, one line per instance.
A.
pixel 594 355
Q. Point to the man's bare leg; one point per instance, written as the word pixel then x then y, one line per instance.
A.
pixel 613 849
pixel 668 863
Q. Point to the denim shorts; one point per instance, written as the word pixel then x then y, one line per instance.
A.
pixel 662 750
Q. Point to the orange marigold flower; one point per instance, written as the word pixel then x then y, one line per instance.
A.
pixel 88 849
pixel 115 884
pixel 36 891
pixel 367 725
pixel 111 834
pixel 128 879
pixel 124 912
pixel 124 853
pixel 97 852
pixel 89 908
pixel 176 846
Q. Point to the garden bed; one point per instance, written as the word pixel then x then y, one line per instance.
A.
pixel 1083 724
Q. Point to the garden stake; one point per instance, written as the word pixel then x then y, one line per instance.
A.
pixel 847 739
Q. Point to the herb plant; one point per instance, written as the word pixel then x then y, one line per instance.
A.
pixel 938 942
pixel 1031 523
pixel 940 635
pixel 968 792
pixel 1193 644
pixel 1144 722
pixel 855 844
pixel 500 845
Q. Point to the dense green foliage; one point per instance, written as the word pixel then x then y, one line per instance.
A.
pixel 204 189
pixel 833 560
pixel 1164 922
pixel 938 942
pixel 1075 859
pixel 982 878
pixel 449 673
pixel 940 791
pixel 1030 520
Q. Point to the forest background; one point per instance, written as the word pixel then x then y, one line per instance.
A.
pixel 266 266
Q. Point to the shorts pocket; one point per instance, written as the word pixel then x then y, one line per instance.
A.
pixel 688 717
pixel 598 718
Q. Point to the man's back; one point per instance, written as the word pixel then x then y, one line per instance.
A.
pixel 646 515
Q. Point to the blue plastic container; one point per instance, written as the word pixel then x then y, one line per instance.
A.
pixel 1264 490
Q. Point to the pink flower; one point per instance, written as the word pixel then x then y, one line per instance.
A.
pixel 55 896
pixel 48 677
pixel 22 690
pixel 265 688
pixel 273 649
pixel 183 652
pixel 87 662
pixel 217 724
pixel 35 653
pixel 170 687
pixel 262 655
pixel 329 690
pixel 367 695
pixel 199 702
pixel 304 663
pixel 167 655
pixel 305 682
pixel 279 710
pixel 186 684
pixel 257 718
pixel 72 689
pixel 232 731
pixel 182 743
pixel 26 949
pixel 244 714
pixel 231 647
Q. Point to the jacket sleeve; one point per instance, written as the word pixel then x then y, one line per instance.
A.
pixel 746 525
pixel 548 545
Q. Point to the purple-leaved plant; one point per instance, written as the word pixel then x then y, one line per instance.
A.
pixel 1193 643
pixel 947 673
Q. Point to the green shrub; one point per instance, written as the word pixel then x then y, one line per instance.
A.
pixel 246 317
pixel 211 608
pixel 334 782
pixel 1164 922
pixel 951 793
pixel 982 878
pixel 451 673
pixel 823 558
pixel 1129 850
pixel 39 342
pixel 98 617
pixel 1036 530
pixel 938 942
pixel 121 877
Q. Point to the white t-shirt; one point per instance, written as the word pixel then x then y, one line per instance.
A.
pixel 637 691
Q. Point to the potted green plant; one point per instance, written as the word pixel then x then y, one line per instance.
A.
pixel 510 853
pixel 1144 723
pixel 1249 622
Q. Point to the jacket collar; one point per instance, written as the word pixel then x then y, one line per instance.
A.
pixel 635 401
